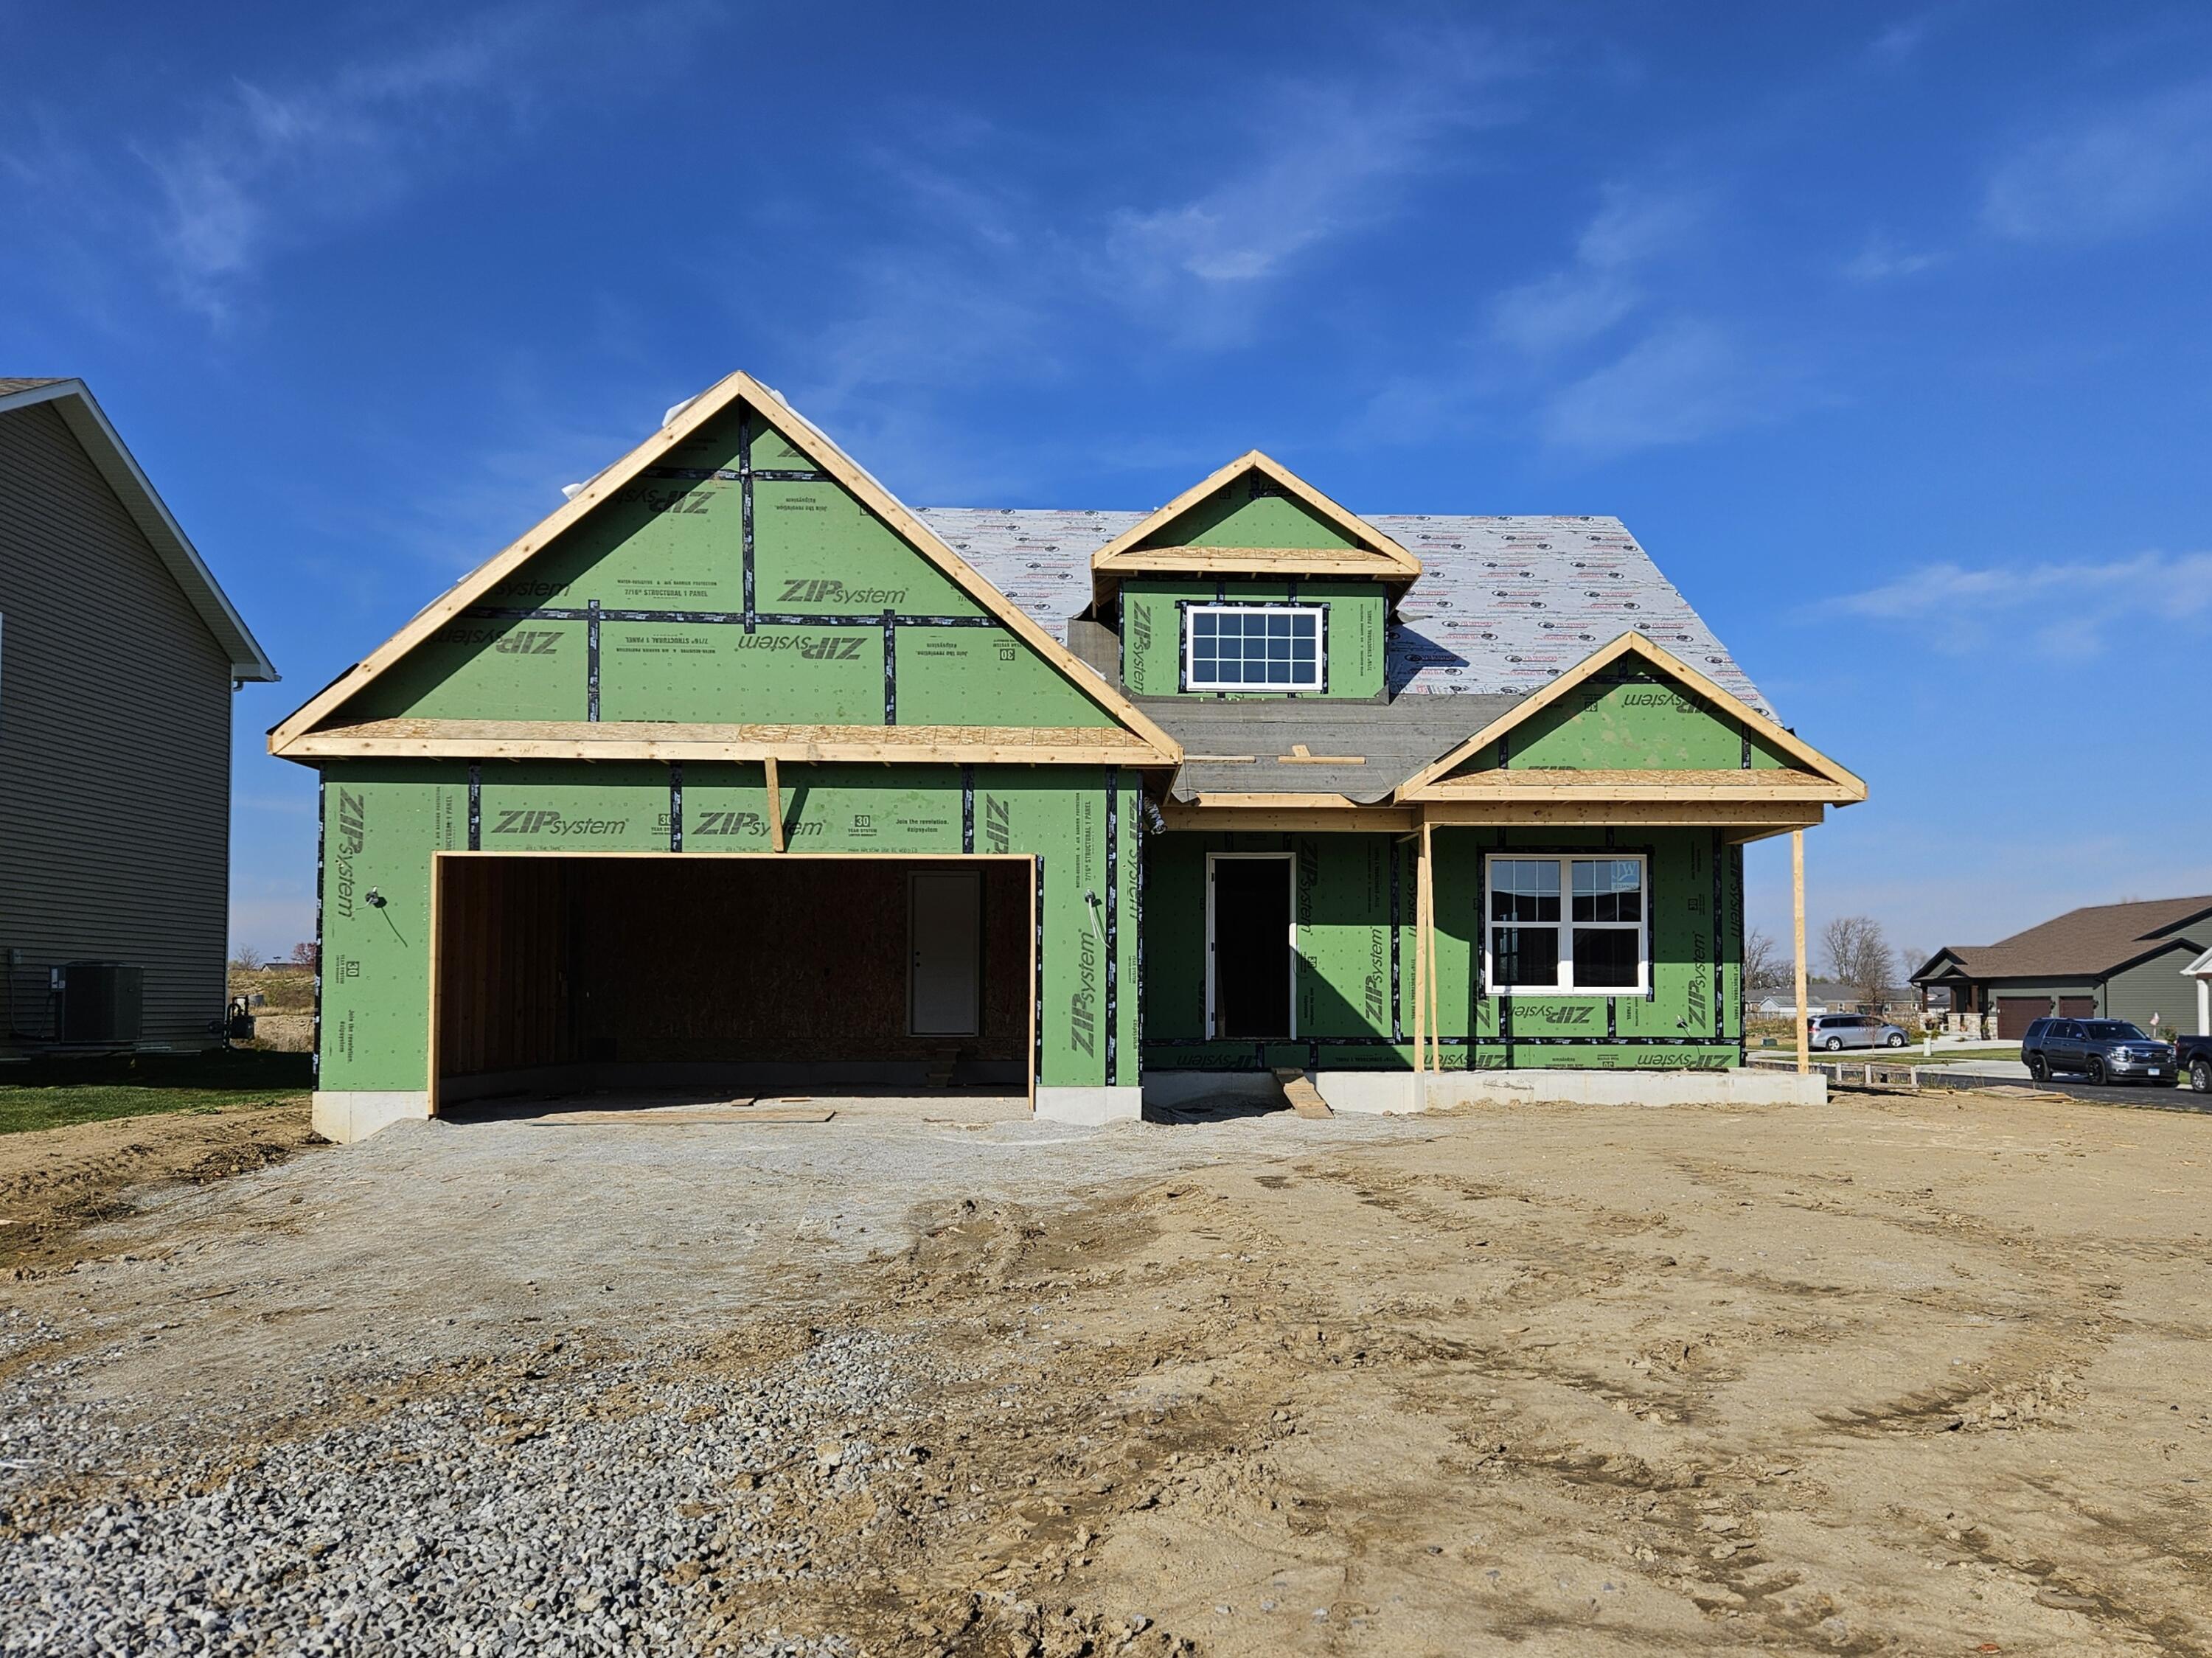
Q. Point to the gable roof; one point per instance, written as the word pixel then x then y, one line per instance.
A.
pixel 1822 778
pixel 2089 942
pixel 89 425
pixel 682 422
pixel 1372 553
pixel 1504 603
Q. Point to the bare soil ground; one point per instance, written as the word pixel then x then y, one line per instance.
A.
pixel 55 1184
pixel 1912 1375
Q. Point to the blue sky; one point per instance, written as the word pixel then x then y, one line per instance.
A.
pixel 1886 330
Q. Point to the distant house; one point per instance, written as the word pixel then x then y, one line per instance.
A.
pixel 118 657
pixel 1829 996
pixel 2114 961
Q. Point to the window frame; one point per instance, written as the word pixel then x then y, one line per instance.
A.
pixel 1192 609
pixel 1566 924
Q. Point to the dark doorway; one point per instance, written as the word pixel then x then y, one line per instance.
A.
pixel 1250 930
pixel 766 972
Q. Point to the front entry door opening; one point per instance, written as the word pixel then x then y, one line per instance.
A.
pixel 1251 945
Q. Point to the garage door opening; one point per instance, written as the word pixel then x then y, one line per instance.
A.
pixel 777 974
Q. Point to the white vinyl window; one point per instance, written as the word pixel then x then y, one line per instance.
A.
pixel 1578 925
pixel 1252 647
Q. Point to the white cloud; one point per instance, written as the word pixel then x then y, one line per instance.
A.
pixel 1687 380
pixel 2064 610
pixel 1325 161
pixel 272 163
pixel 1882 260
pixel 1576 304
pixel 2134 170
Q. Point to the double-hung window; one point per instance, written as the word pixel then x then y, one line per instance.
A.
pixel 1567 924
pixel 1253 647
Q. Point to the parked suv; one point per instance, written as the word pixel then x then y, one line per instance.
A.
pixel 1835 1030
pixel 2103 1050
pixel 2192 1058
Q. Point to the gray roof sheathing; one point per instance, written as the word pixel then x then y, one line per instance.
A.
pixel 1503 604
pixel 1395 740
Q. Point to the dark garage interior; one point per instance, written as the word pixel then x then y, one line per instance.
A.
pixel 774 973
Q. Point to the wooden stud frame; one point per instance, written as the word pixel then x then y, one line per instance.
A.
pixel 437 892
pixel 812 442
pixel 1429 784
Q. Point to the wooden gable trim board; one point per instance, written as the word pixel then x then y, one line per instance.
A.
pixel 1383 556
pixel 811 441
pixel 1654 784
pixel 1423 784
pixel 578 739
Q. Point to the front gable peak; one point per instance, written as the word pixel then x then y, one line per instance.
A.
pixel 1254 517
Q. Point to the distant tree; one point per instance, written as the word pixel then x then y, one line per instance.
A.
pixel 1859 955
pixel 1767 970
pixel 245 958
pixel 303 953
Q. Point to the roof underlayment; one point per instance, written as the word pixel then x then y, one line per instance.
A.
pixel 1503 604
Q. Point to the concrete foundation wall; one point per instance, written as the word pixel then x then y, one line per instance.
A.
pixel 345 1117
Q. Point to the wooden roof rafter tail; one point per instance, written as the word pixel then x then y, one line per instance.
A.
pixel 1847 787
pixel 804 436
pixel 1373 553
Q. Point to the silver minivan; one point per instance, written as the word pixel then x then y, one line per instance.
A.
pixel 1832 1031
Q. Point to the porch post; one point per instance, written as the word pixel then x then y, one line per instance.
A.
pixel 1797 933
pixel 1420 959
pixel 1436 1010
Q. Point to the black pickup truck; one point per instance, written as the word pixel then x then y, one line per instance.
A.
pixel 2192 1058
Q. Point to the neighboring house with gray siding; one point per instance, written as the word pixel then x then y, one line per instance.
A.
pixel 2110 961
pixel 119 654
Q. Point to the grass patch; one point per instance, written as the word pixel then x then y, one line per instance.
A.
pixel 55 1092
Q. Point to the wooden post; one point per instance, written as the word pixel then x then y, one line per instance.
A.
pixel 1797 935
pixel 1420 961
pixel 775 808
pixel 1435 1007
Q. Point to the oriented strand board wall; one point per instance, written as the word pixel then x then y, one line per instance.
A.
pixel 1636 721
pixel 1350 1016
pixel 1151 631
pixel 383 821
pixel 776 959
pixel 842 623
pixel 114 741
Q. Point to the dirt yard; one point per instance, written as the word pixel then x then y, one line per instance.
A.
pixel 1917 1375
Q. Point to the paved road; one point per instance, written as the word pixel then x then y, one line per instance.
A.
pixel 2138 1093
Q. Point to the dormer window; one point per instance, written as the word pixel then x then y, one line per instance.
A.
pixel 1254 647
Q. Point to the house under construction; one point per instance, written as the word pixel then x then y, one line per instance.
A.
pixel 735 771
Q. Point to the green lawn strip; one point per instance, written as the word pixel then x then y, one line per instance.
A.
pixel 53 1091
pixel 24 1110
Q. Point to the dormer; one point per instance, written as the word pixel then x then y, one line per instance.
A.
pixel 1251 584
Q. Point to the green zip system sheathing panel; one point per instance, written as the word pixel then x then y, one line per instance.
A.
pixel 730 585
pixel 1356 982
pixel 1638 722
pixel 383 821
pixel 1151 630
pixel 1251 511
